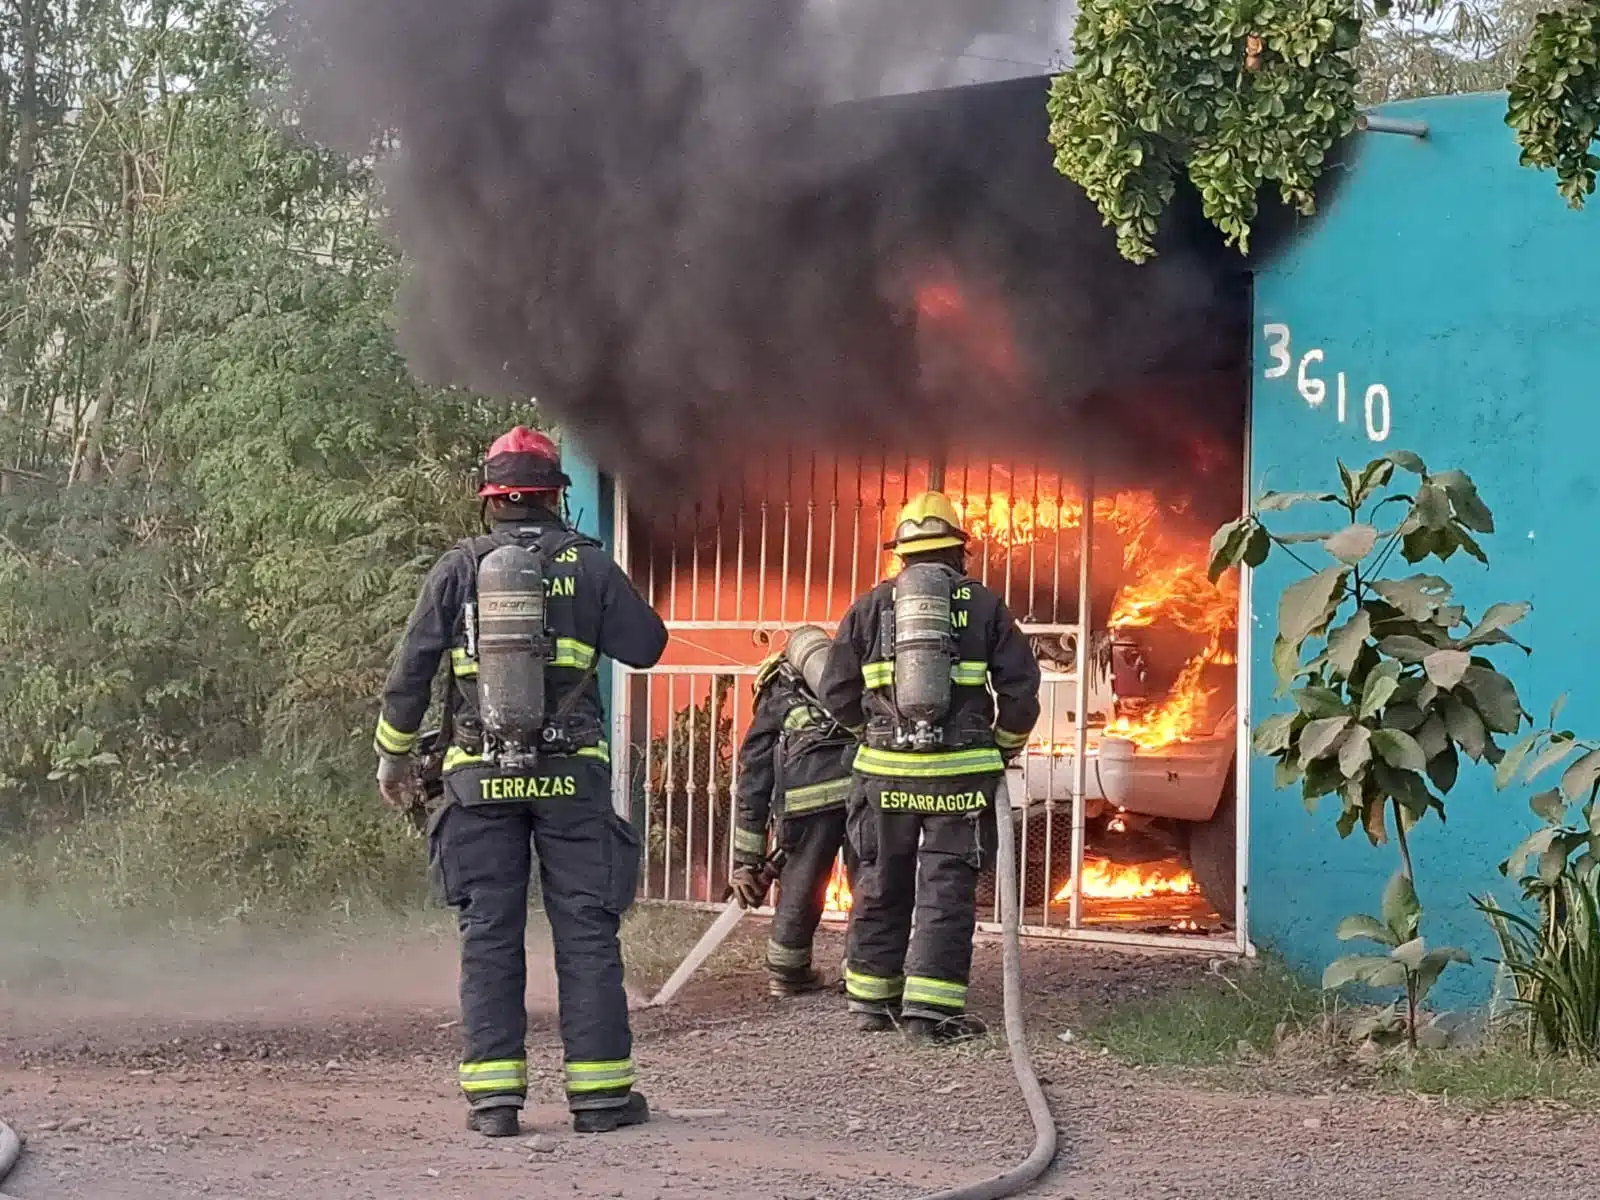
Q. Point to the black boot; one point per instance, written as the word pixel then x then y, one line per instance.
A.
pixel 945 1031
pixel 494 1122
pixel 603 1120
pixel 785 986
pixel 873 1022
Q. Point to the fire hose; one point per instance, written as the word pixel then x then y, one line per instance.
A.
pixel 10 1151
pixel 1009 1183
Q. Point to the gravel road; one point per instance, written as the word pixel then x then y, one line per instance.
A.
pixel 336 1084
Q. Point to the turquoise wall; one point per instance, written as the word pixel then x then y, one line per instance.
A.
pixel 1461 284
pixel 589 502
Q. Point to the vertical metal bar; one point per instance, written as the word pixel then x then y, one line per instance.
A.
pixel 811 525
pixel 1050 812
pixel 833 537
pixel 883 496
pixel 855 534
pixel 1011 535
pixel 1033 543
pixel 788 522
pixel 1243 656
pixel 988 507
pixel 713 745
pixel 761 563
pixel 689 769
pixel 716 570
pixel 622 677
pixel 671 787
pixel 738 557
pixel 1080 760
pixel 936 466
pixel 649 788
pixel 672 568
pixel 694 564
pixel 1061 521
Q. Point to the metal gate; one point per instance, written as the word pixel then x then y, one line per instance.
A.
pixel 795 545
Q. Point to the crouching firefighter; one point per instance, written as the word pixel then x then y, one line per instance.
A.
pixel 912 670
pixel 794 771
pixel 524 615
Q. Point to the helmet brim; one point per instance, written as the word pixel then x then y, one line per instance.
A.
pixel 919 545
pixel 490 491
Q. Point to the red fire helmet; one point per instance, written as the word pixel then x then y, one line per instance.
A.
pixel 523 460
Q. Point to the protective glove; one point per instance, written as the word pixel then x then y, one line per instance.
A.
pixel 394 780
pixel 749 884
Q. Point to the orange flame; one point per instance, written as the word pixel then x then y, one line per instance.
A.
pixel 1106 880
pixel 839 898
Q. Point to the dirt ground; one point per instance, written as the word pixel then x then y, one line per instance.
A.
pixel 333 1078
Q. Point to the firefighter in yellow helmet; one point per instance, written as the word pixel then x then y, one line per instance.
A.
pixel 933 675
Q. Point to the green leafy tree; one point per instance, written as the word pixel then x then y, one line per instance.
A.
pixel 1240 97
pixel 1398 687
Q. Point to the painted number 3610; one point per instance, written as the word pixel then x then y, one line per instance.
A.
pixel 1314 390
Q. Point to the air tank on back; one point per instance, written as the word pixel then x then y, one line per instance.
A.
pixel 922 643
pixel 807 651
pixel 511 625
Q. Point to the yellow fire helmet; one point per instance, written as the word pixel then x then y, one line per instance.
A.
pixel 927 522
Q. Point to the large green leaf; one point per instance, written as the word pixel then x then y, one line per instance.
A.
pixel 1345 642
pixel 1406 649
pixel 1433 965
pixel 1228 546
pixel 1549 806
pixel 1416 596
pixel 1353 543
pixel 1407 461
pixel 1273 734
pixel 1470 510
pixel 1399 750
pixel 1401 910
pixel 1495 698
pixel 1279 501
pixel 1307 604
pixel 1374 475
pixel 1362 926
pixel 1381 684
pixel 1506 770
pixel 1356 752
pixel 1465 726
pixel 1410 954
pixel 1321 738
pixel 1446 668
pixel 1580 777
pixel 1319 702
pixel 1495 618
pixel 1555 752
pixel 1371 969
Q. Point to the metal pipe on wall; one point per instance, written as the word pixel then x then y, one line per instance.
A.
pixel 1080 756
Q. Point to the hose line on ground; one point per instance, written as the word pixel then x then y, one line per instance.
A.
pixel 10 1150
pixel 1044 1147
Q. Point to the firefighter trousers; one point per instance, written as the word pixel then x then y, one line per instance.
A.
pixel 915 908
pixel 481 856
pixel 811 843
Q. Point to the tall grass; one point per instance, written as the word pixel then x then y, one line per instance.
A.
pixel 1553 964
pixel 253 841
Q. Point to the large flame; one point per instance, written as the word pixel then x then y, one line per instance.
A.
pixel 1106 880
pixel 1165 565
pixel 839 898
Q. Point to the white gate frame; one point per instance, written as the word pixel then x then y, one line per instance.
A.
pixel 1237 941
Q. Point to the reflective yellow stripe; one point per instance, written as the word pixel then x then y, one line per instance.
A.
pixel 570 652
pixel 799 717
pixel 748 841
pixel 461 666
pixel 816 795
pixel 393 740
pixel 871 987
pixel 600 1076
pixel 601 752
pixel 970 674
pixel 877 674
pixel 901 764
pixel 1007 740
pixel 508 1075
pixel 942 992
pixel 456 757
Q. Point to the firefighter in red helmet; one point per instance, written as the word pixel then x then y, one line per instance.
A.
pixel 526 765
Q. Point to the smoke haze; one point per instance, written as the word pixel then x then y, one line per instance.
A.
pixel 657 217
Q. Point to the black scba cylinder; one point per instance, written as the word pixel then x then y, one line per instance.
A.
pixel 922 643
pixel 511 631
pixel 807 650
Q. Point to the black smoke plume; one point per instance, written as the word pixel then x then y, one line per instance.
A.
pixel 668 221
